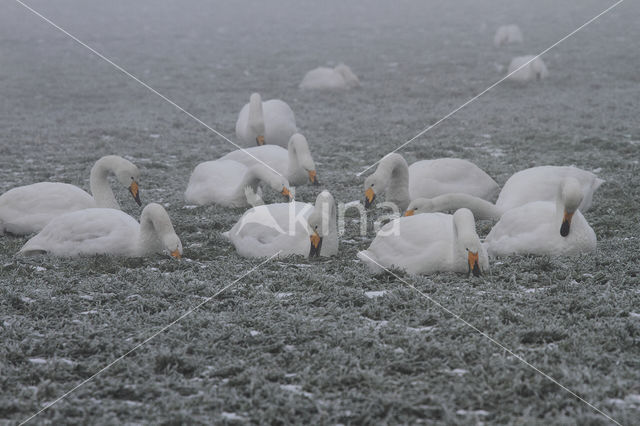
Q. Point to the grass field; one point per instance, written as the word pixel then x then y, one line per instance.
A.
pixel 318 342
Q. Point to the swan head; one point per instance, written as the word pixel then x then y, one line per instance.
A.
pixel 128 175
pixel 256 119
pixel 281 185
pixel 299 145
pixel 371 184
pixel 172 245
pixel 467 239
pixel 320 221
pixel 571 195
pixel 420 205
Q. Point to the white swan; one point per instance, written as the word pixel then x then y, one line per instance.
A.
pixel 224 182
pixel 534 70
pixel 428 243
pixel 534 184
pixel 107 231
pixel 507 34
pixel 271 122
pixel 294 163
pixel 290 228
pixel 27 209
pixel 324 78
pixel 426 178
pixel 544 227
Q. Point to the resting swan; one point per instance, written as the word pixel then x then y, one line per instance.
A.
pixel 27 209
pixel 224 182
pixel 507 34
pixel 291 228
pixel 534 70
pixel 428 243
pixel 294 163
pixel 544 227
pixel 107 231
pixel 426 178
pixel 271 122
pixel 534 184
pixel 324 78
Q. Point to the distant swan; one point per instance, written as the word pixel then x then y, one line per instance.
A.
pixel 107 231
pixel 324 78
pixel 507 34
pixel 294 163
pixel 289 228
pixel 224 182
pixel 271 122
pixel 427 178
pixel 544 227
pixel 428 243
pixel 534 184
pixel 27 209
pixel 534 70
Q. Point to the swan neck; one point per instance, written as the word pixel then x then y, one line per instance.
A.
pixel 255 120
pixel 99 184
pixel 480 208
pixel 395 170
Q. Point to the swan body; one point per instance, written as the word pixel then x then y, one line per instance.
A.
pixel 295 163
pixel 106 231
pixel 526 186
pixel 428 243
pixel 324 78
pixel 426 178
pixel 534 70
pixel 289 228
pixel 27 209
pixel 271 122
pixel 224 182
pixel 507 34
pixel 544 227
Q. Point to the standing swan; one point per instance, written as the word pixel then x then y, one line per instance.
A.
pixel 534 184
pixel 107 231
pixel 290 228
pixel 27 209
pixel 428 243
pixel 225 182
pixel 426 178
pixel 271 122
pixel 295 163
pixel 544 227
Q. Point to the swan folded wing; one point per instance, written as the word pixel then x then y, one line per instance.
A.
pixel 214 181
pixel 29 208
pixel 526 229
pixel 430 178
pixel 86 232
pixel 273 156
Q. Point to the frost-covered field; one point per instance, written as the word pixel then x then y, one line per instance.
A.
pixel 318 341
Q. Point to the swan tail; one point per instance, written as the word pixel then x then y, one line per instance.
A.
pixel 369 259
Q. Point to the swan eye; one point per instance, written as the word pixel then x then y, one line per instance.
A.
pixel 316 227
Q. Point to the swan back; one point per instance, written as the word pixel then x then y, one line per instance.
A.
pixel 535 69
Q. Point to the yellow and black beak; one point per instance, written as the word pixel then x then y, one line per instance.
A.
pixel 566 224
pixel 474 264
pixel 176 254
pixel 286 193
pixel 410 212
pixel 134 189
pixel 260 140
pixel 316 245
pixel 313 178
pixel 369 196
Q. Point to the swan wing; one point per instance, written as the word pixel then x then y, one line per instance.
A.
pixel 279 122
pixel 274 156
pixel 216 182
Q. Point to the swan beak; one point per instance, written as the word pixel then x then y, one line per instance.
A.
pixel 313 178
pixel 134 189
pixel 566 224
pixel 286 193
pixel 260 140
pixel 176 254
pixel 410 212
pixel 369 196
pixel 316 244
pixel 474 263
